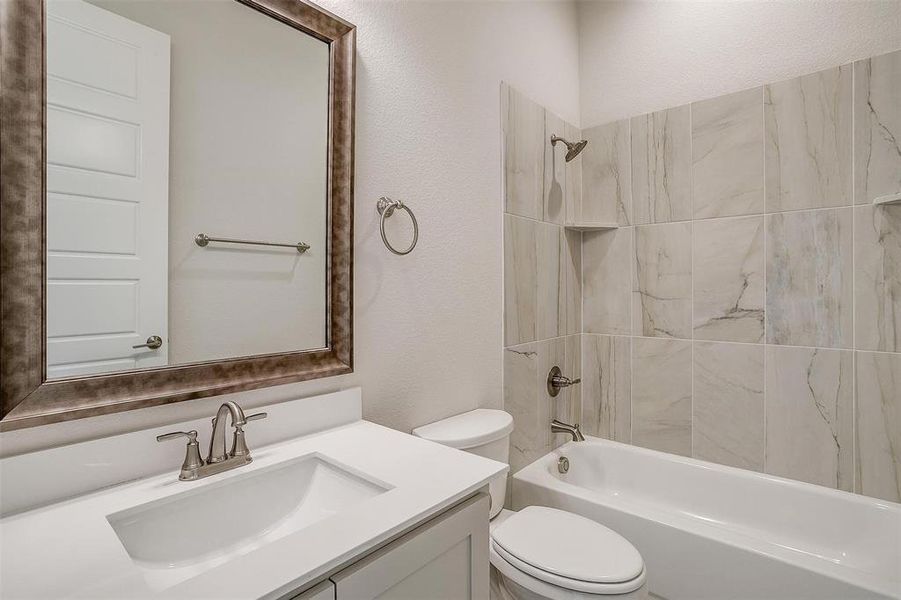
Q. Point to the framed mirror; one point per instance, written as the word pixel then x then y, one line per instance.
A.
pixel 177 201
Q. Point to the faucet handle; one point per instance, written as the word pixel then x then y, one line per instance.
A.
pixel 239 443
pixel 192 461
pixel 191 435
pixel 253 417
pixel 556 381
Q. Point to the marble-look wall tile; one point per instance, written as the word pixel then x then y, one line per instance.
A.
pixel 607 174
pixel 728 269
pixel 551 353
pixel 526 397
pixel 878 418
pixel 877 128
pixel 727 155
pixel 661 282
pixel 877 277
pixel 808 278
pixel 573 188
pixel 606 281
pixel 553 205
pixel 573 368
pixel 808 141
pixel 661 394
pixel 520 280
pixel 531 435
pixel 552 284
pixel 607 387
pixel 573 271
pixel 559 280
pixel 809 415
pixel 727 420
pixel 523 123
pixel 661 166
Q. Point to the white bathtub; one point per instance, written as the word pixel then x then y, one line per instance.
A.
pixel 712 532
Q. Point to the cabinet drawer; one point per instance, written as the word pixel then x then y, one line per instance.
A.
pixel 446 558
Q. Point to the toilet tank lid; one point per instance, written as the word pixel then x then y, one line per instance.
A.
pixel 469 429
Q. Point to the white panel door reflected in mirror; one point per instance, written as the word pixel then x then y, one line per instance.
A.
pixel 166 120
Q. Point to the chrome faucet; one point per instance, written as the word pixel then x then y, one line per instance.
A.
pixel 217 439
pixel 573 430
pixel 218 460
pixel 555 382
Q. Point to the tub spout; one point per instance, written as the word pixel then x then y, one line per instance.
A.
pixel 573 430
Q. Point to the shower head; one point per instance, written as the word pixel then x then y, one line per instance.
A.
pixel 572 148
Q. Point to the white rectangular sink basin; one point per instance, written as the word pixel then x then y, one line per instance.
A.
pixel 182 535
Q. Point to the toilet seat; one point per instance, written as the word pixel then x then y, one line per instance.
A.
pixel 529 574
pixel 553 549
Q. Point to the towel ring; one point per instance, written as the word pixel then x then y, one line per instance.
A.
pixel 386 207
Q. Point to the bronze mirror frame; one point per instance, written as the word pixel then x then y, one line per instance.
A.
pixel 27 398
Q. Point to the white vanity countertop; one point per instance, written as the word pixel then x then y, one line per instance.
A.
pixel 69 549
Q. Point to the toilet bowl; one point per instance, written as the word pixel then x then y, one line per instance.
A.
pixel 541 552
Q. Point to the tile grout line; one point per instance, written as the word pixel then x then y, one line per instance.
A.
pixel 539 232
pixel 631 340
pixel 692 258
pixel 705 219
pixel 763 213
pixel 716 341
pixel 577 201
pixel 503 160
pixel 853 145
pixel 765 287
pixel 633 274
pixel 581 308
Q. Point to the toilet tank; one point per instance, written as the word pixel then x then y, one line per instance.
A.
pixel 485 432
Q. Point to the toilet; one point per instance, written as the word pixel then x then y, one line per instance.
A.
pixel 541 552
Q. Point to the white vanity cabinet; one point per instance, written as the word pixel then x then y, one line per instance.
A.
pixel 446 558
pixel 323 591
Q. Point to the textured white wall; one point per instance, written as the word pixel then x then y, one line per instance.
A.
pixel 428 326
pixel 638 57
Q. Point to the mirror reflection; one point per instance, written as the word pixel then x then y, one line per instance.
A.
pixel 162 128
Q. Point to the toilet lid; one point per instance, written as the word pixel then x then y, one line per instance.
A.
pixel 568 545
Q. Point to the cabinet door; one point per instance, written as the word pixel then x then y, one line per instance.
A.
pixel 446 558
pixel 323 591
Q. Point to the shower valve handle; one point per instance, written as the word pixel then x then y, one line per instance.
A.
pixel 557 381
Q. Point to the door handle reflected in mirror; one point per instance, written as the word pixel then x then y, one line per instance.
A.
pixel 153 342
